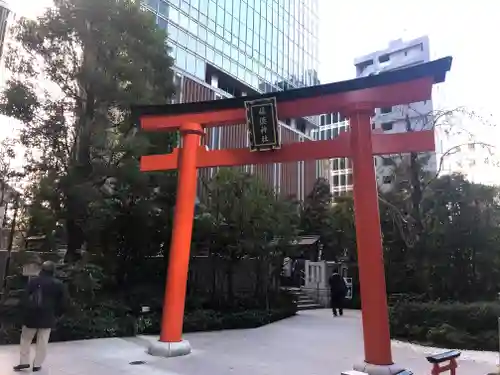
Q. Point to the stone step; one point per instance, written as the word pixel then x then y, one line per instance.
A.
pixel 308 306
pixel 302 297
pixel 292 290
pixel 304 302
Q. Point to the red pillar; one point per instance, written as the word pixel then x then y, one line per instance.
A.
pixel 375 313
pixel 175 291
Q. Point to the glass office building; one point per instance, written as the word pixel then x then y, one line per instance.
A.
pixel 228 48
pixel 268 44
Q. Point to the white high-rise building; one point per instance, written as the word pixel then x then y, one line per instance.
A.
pixel 402 118
pixel 416 116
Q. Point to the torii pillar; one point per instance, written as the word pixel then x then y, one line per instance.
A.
pixel 357 98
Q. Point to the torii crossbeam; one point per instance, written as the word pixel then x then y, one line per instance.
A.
pixel 355 98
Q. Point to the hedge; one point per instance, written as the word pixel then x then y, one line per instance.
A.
pixel 211 320
pixel 114 320
pixel 452 325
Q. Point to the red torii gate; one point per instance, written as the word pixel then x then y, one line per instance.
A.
pixel 356 98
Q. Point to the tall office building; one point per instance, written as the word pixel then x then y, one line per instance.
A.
pixel 227 48
pixel 416 116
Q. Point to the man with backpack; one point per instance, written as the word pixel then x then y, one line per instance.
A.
pixel 44 299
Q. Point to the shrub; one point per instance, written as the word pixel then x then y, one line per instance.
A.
pixel 95 312
pixel 108 318
pixel 10 326
pixel 204 315
pixel 81 322
pixel 210 320
pixel 454 325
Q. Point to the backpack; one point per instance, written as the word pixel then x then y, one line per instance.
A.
pixel 36 297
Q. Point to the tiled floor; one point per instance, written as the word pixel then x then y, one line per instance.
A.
pixel 312 343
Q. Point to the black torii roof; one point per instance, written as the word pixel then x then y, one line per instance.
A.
pixel 436 69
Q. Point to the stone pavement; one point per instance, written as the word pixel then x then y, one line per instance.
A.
pixel 312 343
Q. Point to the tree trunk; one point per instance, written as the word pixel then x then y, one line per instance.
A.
pixel 258 278
pixel 415 210
pixel 213 267
pixel 81 160
pixel 230 285
pixel 74 241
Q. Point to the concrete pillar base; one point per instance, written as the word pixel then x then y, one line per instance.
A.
pixel 169 349
pixel 370 369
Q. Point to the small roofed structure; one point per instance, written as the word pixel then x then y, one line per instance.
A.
pixel 303 247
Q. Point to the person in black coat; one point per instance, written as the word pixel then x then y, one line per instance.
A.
pixel 338 291
pixel 44 299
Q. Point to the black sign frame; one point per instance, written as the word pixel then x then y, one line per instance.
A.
pixel 263 126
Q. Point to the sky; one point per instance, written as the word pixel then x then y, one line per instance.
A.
pixel 465 30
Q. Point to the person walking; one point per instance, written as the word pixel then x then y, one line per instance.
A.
pixel 338 291
pixel 44 299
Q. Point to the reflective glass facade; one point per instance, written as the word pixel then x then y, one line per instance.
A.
pixel 340 169
pixel 268 44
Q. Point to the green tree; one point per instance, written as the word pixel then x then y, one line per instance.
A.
pixel 462 224
pixel 408 239
pixel 76 71
pixel 344 227
pixel 454 252
pixel 318 218
pixel 245 219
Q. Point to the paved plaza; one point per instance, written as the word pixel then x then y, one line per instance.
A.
pixel 312 343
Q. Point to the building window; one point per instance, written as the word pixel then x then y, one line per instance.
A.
pixel 385 110
pixel 153 4
pixel 343 180
pixel 386 126
pixel 301 126
pixel 162 24
pixel 384 58
pixel 163 8
pixel 336 180
pixel 342 163
pixel 387 161
pixel 387 179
